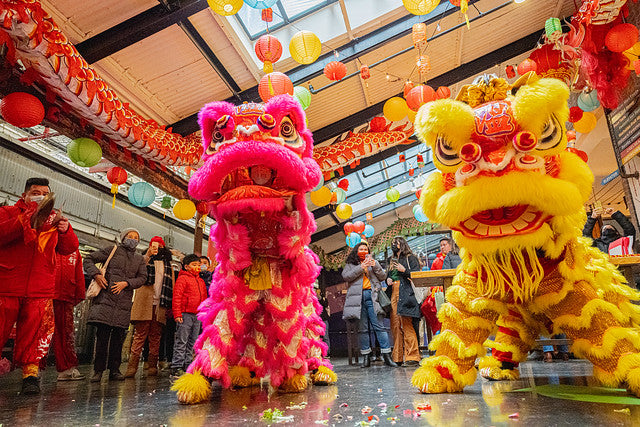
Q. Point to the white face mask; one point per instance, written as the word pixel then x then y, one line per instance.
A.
pixel 36 199
pixel 203 267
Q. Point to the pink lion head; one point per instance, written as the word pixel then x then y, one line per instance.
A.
pixel 255 156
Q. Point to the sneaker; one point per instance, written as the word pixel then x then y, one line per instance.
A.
pixel 71 375
pixel 116 376
pixel 97 377
pixel 30 385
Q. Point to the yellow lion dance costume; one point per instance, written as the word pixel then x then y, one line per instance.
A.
pixel 514 199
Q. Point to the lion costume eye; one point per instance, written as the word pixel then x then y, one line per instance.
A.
pixel 551 134
pixel 216 138
pixel 444 153
pixel 289 134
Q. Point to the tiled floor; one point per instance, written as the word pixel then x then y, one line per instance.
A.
pixel 361 397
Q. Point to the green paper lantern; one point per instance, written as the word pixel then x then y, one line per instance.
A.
pixel 84 152
pixel 393 195
pixel 141 194
pixel 303 96
pixel 166 202
pixel 552 28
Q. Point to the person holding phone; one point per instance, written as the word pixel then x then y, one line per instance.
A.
pixel 364 276
pixel 405 310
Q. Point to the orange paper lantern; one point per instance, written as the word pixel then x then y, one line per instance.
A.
pixel 443 92
pixel 268 50
pixel 335 70
pixel 527 65
pixel 364 72
pixel 621 37
pixel 419 96
pixel 407 88
pixel 419 35
pixel 273 84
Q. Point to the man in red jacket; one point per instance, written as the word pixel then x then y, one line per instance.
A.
pixel 27 276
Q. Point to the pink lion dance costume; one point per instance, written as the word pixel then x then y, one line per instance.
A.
pixel 261 318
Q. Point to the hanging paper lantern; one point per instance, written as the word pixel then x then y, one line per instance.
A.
pixel 344 210
pixel 344 184
pixel 353 239
pixel 419 35
pixel 407 88
pixel 549 63
pixel 116 176
pixel 321 197
pixel 364 72
pixel 411 115
pixel 320 184
pixel 267 15
pixel 571 135
pixel 303 96
pixel 368 231
pixel 423 64
pixel 166 202
pixel 305 47
pixel 418 193
pixel 636 66
pixel 420 7
pixel 341 195
pixel 586 124
pixel 225 7
pixel 260 4
pixel 395 109
pixel 358 227
pixel 526 66
pixel 588 101
pixel 553 29
pixel 632 54
pixel 393 195
pixel 268 50
pixel 335 70
pixel 401 158
pixel 443 92
pixel 348 228
pixel 273 84
pixel 575 114
pixel 510 71
pixel 419 215
pixel 184 209
pixel 22 109
pixel 84 152
pixel 420 160
pixel 202 208
pixel 141 194
pixel 621 37
pixel 369 216
pixel 420 95
pixel 412 171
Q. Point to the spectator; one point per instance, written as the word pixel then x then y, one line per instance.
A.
pixel 188 293
pixel 205 271
pixel 404 305
pixel 111 309
pixel 447 258
pixel 70 291
pixel 364 275
pixel 30 237
pixel 169 331
pixel 608 233
pixel 147 313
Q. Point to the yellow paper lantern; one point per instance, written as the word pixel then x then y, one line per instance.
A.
pixel 586 124
pixel 305 47
pixel 632 54
pixel 184 209
pixel 411 115
pixel 322 197
pixel 225 7
pixel 395 109
pixel 344 210
pixel 420 7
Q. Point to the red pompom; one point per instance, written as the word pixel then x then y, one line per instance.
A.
pixel 575 114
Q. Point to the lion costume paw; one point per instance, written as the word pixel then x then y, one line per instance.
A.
pixel 192 388
pixel 242 377
pixel 438 375
pixel 295 384
pixel 323 376
pixel 492 370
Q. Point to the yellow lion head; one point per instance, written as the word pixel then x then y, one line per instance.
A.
pixel 507 184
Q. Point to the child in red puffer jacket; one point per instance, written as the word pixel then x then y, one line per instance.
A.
pixel 188 293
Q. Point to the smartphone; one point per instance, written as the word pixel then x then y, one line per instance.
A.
pixel 155 245
pixel 597 205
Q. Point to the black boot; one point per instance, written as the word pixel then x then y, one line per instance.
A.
pixel 387 360
pixel 366 360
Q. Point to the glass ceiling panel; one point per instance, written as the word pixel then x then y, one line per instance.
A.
pixel 293 8
pixel 251 20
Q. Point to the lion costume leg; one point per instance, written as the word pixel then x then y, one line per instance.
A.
pixel 517 332
pixel 467 320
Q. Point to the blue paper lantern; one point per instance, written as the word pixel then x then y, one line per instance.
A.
pixel 141 194
pixel 341 195
pixel 368 230
pixel 353 239
pixel 260 4
pixel 419 215
pixel 588 101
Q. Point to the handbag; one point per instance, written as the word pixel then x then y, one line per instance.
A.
pixel 94 288
pixel 384 301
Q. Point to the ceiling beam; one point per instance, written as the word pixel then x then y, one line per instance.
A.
pixel 136 28
pixel 348 52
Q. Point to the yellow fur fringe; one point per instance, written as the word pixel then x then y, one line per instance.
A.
pixel 464 350
pixel 241 377
pixel 192 388
pixel 323 376
pixel 428 379
pixel 295 384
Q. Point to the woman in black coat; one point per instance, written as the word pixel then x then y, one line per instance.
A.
pixel 405 309
pixel 110 311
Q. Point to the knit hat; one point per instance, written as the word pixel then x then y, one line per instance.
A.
pixel 126 231
pixel 159 240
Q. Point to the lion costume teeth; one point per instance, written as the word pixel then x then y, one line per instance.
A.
pixel 514 199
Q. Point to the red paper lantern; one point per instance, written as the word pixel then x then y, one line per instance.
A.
pixel 419 96
pixel 348 228
pixel 575 114
pixel 549 63
pixel 401 158
pixel 273 84
pixel 418 193
pixel 364 72
pixel 202 208
pixel 358 227
pixel 268 50
pixel 407 88
pixel 526 66
pixel 22 109
pixel 267 15
pixel 335 70
pixel 571 135
pixel 412 171
pixel 443 92
pixel 116 176
pixel 621 37
pixel 636 66
pixel 344 184
pixel 510 71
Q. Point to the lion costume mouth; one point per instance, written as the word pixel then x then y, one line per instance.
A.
pixel 502 222
pixel 255 182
